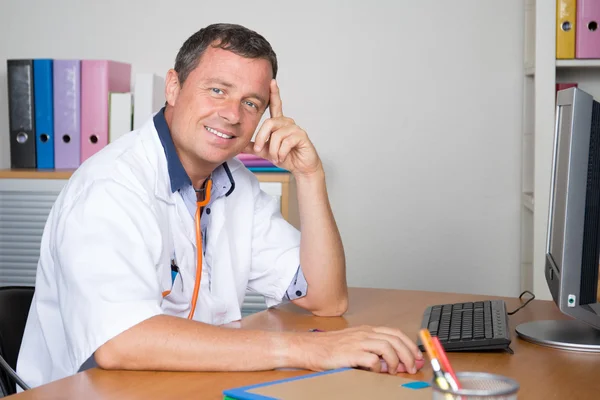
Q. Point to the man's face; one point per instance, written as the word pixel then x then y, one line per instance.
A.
pixel 217 109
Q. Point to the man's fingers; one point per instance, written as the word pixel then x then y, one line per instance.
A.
pixel 368 361
pixel 268 127
pixel 275 106
pixel 276 140
pixel 411 345
pixel 249 149
pixel 404 354
pixel 384 349
pixel 263 135
pixel 286 146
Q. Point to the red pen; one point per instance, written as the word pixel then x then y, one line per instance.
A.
pixel 443 358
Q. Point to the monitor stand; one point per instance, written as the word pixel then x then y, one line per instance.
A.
pixel 562 334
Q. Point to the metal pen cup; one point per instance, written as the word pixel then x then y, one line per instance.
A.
pixel 479 386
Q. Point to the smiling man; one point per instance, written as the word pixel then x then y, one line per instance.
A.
pixel 155 240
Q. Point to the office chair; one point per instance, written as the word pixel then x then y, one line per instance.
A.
pixel 14 308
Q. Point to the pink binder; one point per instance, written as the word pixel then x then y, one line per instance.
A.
pixel 587 34
pixel 98 79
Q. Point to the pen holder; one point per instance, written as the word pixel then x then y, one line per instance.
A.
pixel 479 385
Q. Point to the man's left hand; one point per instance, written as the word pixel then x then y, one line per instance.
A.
pixel 284 143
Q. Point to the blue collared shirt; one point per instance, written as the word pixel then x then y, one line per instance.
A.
pixel 223 185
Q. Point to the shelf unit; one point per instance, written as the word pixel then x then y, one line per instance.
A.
pixel 541 71
pixel 578 63
pixel 278 184
pixel 27 195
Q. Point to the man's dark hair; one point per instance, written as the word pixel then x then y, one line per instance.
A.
pixel 235 38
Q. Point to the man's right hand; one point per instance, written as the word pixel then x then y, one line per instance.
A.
pixel 361 347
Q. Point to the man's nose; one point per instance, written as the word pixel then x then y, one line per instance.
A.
pixel 230 111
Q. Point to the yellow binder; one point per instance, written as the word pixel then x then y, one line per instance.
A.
pixel 566 15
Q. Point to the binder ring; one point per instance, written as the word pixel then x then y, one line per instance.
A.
pixel 22 137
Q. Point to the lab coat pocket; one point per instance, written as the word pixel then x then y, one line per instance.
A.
pixel 219 309
pixel 214 309
pixel 173 302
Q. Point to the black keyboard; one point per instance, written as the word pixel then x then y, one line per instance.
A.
pixel 481 325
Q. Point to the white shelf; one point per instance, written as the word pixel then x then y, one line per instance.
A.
pixel 539 102
pixel 528 201
pixel 529 71
pixel 526 275
pixel 578 63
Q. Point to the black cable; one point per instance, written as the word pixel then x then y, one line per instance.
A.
pixel 13 374
pixel 521 298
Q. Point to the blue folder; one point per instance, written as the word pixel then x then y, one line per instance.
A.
pixel 44 114
pixel 243 393
pixel 267 169
pixel 337 383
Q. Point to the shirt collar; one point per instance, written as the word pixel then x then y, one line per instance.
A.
pixel 223 183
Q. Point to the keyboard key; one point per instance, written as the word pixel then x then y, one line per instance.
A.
pixel 487 317
pixel 433 327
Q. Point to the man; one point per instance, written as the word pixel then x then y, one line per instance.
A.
pixel 154 241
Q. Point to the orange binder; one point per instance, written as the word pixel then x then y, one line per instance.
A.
pixel 566 14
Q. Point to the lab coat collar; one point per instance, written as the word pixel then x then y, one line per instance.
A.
pixel 178 177
pixel 156 152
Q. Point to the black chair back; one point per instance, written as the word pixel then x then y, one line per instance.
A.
pixel 15 302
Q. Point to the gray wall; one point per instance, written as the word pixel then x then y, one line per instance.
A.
pixel 414 106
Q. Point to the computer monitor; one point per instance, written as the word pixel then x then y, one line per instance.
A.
pixel 573 237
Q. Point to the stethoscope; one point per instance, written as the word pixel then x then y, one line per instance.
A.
pixel 202 199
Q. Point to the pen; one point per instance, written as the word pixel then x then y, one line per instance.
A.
pixel 440 379
pixel 443 358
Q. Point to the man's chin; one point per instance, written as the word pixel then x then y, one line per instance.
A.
pixel 218 159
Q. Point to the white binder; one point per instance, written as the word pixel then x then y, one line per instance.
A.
pixel 119 115
pixel 148 97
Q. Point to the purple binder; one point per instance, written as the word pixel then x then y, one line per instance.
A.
pixel 67 113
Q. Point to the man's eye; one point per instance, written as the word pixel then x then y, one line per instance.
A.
pixel 251 104
pixel 217 91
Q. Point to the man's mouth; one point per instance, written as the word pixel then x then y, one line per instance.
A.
pixel 218 133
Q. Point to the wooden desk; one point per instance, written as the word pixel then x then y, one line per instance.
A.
pixel 543 373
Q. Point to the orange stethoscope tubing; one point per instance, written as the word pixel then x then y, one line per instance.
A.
pixel 199 205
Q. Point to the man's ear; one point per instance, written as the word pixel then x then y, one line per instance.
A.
pixel 172 87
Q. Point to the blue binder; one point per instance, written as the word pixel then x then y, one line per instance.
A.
pixel 44 114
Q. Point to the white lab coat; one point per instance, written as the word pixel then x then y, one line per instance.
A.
pixel 107 248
